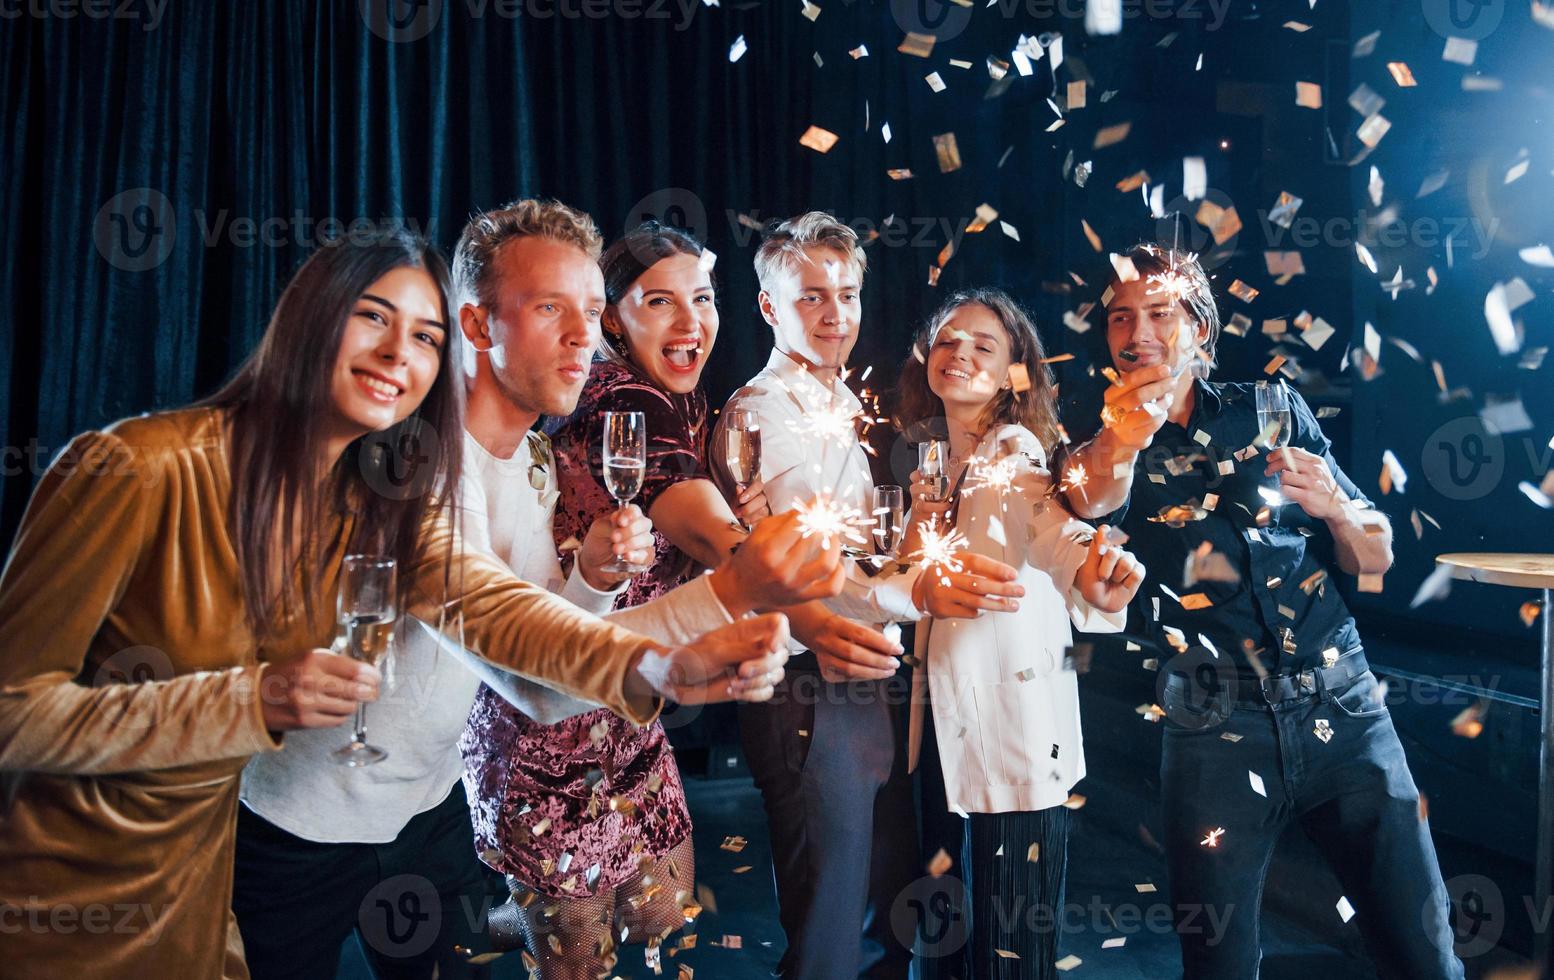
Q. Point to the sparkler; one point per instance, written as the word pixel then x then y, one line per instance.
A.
pixel 1213 839
pixel 829 519
pixel 939 546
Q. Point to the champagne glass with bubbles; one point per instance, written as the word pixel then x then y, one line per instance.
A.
pixel 625 465
pixel 1274 421
pixel 889 511
pixel 742 447
pixel 931 468
pixel 367 613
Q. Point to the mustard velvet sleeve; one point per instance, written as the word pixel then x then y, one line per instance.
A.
pixel 524 629
pixel 86 528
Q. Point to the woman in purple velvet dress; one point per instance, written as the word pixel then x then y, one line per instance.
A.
pixel 614 847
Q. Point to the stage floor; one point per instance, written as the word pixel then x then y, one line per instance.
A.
pixel 1104 868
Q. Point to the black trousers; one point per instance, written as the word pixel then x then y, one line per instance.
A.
pixel 409 902
pixel 839 804
pixel 1016 903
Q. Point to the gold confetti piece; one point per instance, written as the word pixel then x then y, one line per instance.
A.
pixel 706 899
pixel 1075 801
pixel 917 45
pixel 940 863
pixel 1238 325
pixel 483 958
pixel 1214 836
pixel 1242 291
pixel 1285 263
pixel 1231 737
pixel 569 545
pixel 742 869
pixel 1370 583
pixel 1033 853
pixel 734 844
pixel 1469 722
pixel 1529 612
pixel 539 829
pixel 1308 95
pixel 1019 377
pixel 1145 888
pixel 1111 136
pixel 899 174
pixel 1128 185
pixel 1095 240
pixel 948 151
pixel 1296 26
pixel 1196 600
pixel 817 139
pixel 1116 942
pixel 686 973
pixel 1273 366
pixel 1006 954
pixel 1401 74
pixel 1068 963
pixel 1076 95
pixel 934 81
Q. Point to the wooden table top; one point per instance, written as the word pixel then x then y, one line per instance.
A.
pixel 1528 571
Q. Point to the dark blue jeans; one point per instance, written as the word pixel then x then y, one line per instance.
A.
pixel 1353 795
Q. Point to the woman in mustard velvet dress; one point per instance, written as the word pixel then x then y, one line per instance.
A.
pixel 166 607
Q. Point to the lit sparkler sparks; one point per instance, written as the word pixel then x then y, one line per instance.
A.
pixel 1075 477
pixel 829 519
pixel 1214 835
pixel 941 546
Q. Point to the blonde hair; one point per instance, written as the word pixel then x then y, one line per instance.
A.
pixel 474 259
pixel 783 250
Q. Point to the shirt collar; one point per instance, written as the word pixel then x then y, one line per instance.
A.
pixel 1209 401
pixel 809 391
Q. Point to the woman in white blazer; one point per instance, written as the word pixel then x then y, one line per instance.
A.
pixel 1005 703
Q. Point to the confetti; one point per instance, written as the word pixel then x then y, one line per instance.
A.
pixel 1401 74
pixel 734 844
pixel 1075 801
pixel 1345 910
pixel 917 45
pixel 1068 963
pixel 1090 235
pixel 817 139
pixel 1373 129
pixel 1257 784
pixel 1308 95
pixel 1111 136
pixel 1242 291
pixel 1460 51
pixel 1145 888
pixel 940 863
pixel 737 49
pixel 934 81
pixel 948 152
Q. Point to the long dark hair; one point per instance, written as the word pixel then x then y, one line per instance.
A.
pixel 632 254
pixel 918 408
pixel 392 481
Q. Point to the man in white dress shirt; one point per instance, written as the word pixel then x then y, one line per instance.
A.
pixel 388 851
pixel 824 749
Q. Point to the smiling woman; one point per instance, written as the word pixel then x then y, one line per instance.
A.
pixel 168 608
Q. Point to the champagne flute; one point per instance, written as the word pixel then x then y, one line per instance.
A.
pixel 1274 422
pixel 625 465
pixel 889 511
pixel 366 611
pixel 742 447
pixel 931 457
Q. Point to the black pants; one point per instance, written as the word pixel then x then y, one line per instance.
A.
pixel 409 901
pixel 1016 903
pixel 839 804
pixel 1331 761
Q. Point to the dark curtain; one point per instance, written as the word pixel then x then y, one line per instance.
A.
pixel 163 178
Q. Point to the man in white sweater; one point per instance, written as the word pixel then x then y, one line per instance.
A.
pixel 387 851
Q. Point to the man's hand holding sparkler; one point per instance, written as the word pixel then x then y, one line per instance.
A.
pixel 1109 577
pixel 779 565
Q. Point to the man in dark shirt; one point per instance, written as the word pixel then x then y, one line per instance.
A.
pixel 1272 713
